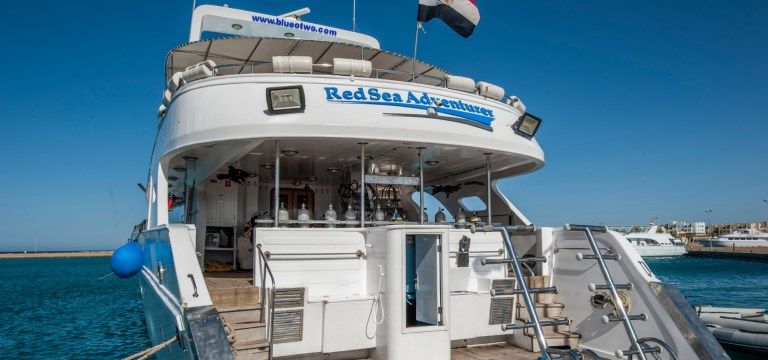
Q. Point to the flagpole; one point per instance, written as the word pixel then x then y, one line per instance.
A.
pixel 415 48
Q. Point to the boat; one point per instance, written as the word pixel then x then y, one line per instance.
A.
pixel 285 217
pixel 741 238
pixel 741 329
pixel 652 243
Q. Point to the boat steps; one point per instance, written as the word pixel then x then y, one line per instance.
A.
pixel 552 310
pixel 554 339
pixel 556 329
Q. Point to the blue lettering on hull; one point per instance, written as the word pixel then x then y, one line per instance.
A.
pixel 410 99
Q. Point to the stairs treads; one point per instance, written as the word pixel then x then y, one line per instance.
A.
pixel 248 325
pixel 254 344
pixel 225 309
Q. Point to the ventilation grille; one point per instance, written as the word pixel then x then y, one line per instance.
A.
pixel 505 285
pixel 287 326
pixel 289 298
pixel 501 311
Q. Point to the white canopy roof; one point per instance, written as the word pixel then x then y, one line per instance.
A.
pixel 244 55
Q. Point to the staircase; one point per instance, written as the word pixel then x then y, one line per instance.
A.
pixel 240 311
pixel 547 309
pixel 543 327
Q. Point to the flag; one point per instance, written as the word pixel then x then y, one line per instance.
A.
pixel 460 15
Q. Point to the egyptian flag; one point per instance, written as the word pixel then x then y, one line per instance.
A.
pixel 460 15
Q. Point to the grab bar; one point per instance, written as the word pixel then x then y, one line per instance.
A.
pixel 194 284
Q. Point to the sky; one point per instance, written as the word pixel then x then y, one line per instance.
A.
pixel 649 108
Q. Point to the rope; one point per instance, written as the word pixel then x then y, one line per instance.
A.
pixel 144 354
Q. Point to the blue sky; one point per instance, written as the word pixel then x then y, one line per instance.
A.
pixel 650 108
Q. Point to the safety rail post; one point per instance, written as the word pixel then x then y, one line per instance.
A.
pixel 270 321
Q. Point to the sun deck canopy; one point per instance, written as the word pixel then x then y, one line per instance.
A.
pixel 247 55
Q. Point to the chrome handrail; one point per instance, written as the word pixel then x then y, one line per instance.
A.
pixel 512 255
pixel 265 269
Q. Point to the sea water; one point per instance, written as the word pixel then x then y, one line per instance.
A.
pixel 715 282
pixel 61 309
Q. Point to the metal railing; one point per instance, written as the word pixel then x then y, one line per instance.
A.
pixel 265 67
pixel 265 270
pixel 637 346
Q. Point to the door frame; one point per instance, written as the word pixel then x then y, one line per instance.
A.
pixel 443 292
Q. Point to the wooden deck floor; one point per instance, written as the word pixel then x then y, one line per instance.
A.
pixel 228 279
pixel 492 352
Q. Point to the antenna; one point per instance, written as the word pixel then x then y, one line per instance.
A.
pixel 354 12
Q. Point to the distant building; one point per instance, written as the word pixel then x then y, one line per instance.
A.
pixel 699 228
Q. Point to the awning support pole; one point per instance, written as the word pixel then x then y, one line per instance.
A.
pixel 276 213
pixel 421 187
pixel 362 184
pixel 488 187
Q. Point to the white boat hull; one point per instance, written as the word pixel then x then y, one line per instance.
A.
pixel 660 251
pixel 739 243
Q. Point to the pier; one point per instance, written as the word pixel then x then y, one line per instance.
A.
pixel 740 253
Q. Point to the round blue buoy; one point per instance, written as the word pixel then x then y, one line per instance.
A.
pixel 127 260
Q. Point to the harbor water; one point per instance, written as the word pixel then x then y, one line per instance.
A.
pixel 61 309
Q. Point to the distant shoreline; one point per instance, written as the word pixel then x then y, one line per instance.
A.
pixel 59 254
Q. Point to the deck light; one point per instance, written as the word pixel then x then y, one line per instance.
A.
pixel 431 162
pixel 286 99
pixel 333 169
pixel 527 125
pixel 290 152
pixel 237 26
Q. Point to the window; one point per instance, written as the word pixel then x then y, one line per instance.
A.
pixel 472 203
pixel 432 204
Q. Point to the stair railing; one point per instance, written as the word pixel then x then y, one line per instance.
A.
pixel 522 288
pixel 266 270
pixel 637 347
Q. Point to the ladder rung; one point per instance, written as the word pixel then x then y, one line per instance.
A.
pixel 500 291
pixel 494 261
pixel 534 259
pixel 593 287
pixel 529 324
pixel 571 227
pixel 509 261
pixel 542 290
pixel 612 318
pixel 652 349
pixel 580 256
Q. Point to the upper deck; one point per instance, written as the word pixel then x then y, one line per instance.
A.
pixel 391 103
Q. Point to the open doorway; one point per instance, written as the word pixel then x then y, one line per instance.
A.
pixel 423 284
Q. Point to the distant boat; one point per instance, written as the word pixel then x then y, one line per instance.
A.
pixel 651 243
pixel 742 238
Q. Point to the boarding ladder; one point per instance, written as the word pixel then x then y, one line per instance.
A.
pixel 523 290
pixel 639 347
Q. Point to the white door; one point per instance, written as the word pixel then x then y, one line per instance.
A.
pixel 427 279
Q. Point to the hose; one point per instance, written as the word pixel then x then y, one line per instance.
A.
pixel 374 312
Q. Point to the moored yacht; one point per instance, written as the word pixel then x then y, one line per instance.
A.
pixel 282 220
pixel 652 243
pixel 742 238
